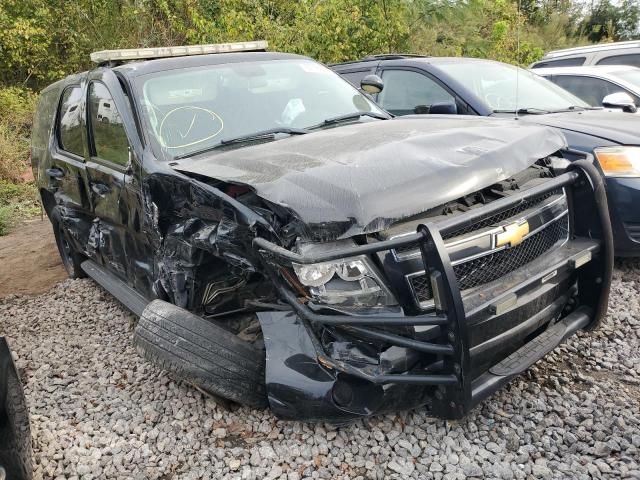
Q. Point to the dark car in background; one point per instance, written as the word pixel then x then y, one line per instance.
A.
pixel 468 86
pixel 285 241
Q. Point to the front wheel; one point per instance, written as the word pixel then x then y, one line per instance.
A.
pixel 202 353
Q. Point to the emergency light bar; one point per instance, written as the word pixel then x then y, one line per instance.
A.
pixel 178 51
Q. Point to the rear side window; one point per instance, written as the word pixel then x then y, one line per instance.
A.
pixel 109 137
pixel 631 59
pixel 565 62
pixel 591 90
pixel 69 126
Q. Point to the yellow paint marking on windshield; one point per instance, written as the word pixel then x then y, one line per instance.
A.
pixel 213 114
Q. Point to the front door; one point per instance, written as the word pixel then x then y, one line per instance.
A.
pixel 114 180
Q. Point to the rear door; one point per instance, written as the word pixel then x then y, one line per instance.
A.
pixel 114 173
pixel 65 173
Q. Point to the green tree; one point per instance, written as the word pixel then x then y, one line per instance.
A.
pixel 613 22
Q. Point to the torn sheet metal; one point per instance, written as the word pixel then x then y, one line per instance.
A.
pixel 370 175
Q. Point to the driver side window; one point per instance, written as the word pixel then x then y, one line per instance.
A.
pixel 406 92
pixel 109 137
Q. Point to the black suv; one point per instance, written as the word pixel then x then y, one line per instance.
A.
pixel 254 205
pixel 472 86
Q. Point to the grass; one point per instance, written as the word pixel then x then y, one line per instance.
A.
pixel 18 199
pixel 18 202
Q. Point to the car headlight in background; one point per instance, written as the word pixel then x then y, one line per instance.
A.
pixel 348 282
pixel 619 161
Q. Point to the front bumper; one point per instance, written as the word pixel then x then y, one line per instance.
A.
pixel 474 344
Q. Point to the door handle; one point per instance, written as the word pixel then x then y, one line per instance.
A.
pixel 54 173
pixel 100 189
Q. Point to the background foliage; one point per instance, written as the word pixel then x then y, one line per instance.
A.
pixel 41 41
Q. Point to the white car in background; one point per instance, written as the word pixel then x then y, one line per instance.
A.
pixel 613 86
pixel 616 53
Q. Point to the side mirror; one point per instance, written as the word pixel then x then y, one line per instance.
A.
pixel 620 100
pixel 443 108
pixel 372 84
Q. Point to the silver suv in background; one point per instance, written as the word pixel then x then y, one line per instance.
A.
pixel 608 86
pixel 618 53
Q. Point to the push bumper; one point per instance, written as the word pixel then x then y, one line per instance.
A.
pixel 304 382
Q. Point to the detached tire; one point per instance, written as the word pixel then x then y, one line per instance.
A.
pixel 201 353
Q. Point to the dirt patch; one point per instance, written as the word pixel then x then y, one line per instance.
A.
pixel 29 260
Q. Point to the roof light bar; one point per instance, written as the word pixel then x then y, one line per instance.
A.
pixel 178 51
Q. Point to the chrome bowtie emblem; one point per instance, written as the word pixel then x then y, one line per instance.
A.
pixel 513 234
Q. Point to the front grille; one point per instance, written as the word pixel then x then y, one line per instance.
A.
pixel 421 286
pixel 487 221
pixel 491 267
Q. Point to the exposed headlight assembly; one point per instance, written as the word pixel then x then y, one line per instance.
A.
pixel 619 161
pixel 347 282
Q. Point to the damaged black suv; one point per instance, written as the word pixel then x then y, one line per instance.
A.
pixel 286 242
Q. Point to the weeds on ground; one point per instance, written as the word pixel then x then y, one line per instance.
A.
pixel 18 202
pixel 18 198
pixel 16 112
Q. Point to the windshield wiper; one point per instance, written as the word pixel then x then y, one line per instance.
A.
pixel 575 108
pixel 525 111
pixel 251 137
pixel 350 116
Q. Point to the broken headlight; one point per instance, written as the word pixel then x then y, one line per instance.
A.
pixel 346 282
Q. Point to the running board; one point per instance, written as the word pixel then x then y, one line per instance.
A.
pixel 116 287
pixel 530 353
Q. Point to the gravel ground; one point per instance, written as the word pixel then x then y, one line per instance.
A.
pixel 99 411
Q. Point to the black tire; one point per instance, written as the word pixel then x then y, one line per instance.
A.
pixel 15 434
pixel 202 353
pixel 71 259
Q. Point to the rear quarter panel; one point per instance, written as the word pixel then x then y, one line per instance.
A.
pixel 42 132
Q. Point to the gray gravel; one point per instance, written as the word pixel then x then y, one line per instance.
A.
pixel 99 411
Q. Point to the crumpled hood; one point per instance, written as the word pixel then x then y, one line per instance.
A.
pixel 372 174
pixel 615 126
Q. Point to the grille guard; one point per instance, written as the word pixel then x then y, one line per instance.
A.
pixel 456 391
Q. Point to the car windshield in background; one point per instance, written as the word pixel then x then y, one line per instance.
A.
pixel 497 83
pixel 195 109
pixel 630 76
